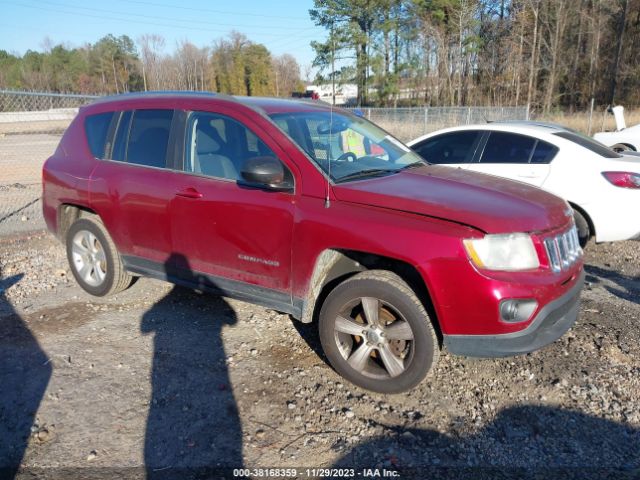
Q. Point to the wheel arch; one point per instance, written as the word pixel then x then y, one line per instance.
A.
pixel 69 213
pixel 587 217
pixel 333 266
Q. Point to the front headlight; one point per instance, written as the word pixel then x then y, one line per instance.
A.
pixel 510 252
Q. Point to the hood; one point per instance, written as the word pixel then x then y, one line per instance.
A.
pixel 491 204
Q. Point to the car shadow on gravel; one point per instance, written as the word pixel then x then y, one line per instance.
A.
pixel 524 442
pixel 193 426
pixel 310 334
pixel 629 287
pixel 25 372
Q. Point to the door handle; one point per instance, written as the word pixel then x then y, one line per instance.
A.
pixel 189 192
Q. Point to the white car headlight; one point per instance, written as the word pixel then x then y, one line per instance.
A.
pixel 510 252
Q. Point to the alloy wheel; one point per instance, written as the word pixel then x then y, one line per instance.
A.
pixel 374 338
pixel 89 259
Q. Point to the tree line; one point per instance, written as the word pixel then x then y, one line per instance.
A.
pixel 233 65
pixel 546 53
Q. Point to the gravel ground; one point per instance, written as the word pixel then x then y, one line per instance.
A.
pixel 159 379
pixel 20 208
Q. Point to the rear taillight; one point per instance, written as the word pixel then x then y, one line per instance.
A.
pixel 623 179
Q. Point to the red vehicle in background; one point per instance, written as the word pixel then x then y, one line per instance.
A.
pixel 311 94
pixel 270 201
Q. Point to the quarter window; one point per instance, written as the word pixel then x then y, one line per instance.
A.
pixel 544 152
pixel 97 128
pixel 450 148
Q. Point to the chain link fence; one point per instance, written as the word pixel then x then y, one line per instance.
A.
pixel 31 125
pixel 410 123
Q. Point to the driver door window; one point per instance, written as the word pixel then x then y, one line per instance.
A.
pixel 218 146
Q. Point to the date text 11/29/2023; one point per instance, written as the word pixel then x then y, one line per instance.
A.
pixel 315 473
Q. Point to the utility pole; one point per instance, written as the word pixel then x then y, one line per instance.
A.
pixel 144 77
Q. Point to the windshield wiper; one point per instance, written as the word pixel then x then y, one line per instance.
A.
pixel 414 165
pixel 370 172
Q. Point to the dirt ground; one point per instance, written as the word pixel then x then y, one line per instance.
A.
pixel 160 380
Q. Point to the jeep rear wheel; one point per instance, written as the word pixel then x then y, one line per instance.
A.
pixel 376 333
pixel 94 259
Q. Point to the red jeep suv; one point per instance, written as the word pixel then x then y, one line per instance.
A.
pixel 318 213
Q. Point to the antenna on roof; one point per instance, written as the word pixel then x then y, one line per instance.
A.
pixel 327 201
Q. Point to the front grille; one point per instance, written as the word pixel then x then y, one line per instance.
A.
pixel 563 249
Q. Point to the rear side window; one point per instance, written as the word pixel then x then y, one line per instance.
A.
pixel 589 144
pixel 504 147
pixel 149 137
pixel 96 128
pixel 455 147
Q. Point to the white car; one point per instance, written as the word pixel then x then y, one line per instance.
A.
pixel 623 139
pixel 602 186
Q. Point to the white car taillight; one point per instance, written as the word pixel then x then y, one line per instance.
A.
pixel 623 179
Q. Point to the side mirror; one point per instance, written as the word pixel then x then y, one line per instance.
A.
pixel 266 173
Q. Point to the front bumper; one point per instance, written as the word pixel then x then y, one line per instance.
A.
pixel 550 323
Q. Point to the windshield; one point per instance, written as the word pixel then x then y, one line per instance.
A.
pixel 346 147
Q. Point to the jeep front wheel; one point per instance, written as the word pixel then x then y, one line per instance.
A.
pixel 376 333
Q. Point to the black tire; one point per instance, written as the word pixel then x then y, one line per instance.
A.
pixel 396 301
pixel 622 147
pixel 113 278
pixel 582 225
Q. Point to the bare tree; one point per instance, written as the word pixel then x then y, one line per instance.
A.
pixel 555 23
pixel 151 46
pixel 287 75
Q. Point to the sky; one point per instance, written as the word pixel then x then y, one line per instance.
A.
pixel 283 26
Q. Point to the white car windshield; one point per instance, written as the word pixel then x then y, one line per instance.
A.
pixel 346 147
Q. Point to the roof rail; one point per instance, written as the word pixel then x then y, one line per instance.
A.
pixel 163 93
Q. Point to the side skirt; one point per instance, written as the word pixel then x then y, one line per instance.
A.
pixel 262 296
